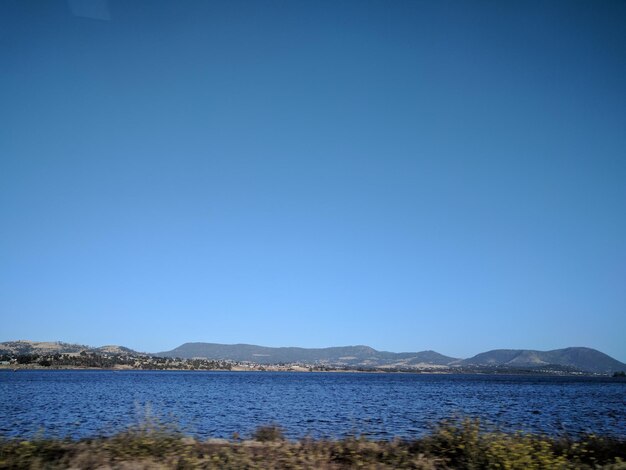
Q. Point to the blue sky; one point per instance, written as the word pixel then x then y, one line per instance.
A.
pixel 407 175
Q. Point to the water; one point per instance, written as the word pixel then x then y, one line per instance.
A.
pixel 217 404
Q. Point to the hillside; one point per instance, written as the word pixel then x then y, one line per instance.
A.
pixel 569 359
pixel 354 356
pixel 24 347
pixel 584 359
pixel 499 360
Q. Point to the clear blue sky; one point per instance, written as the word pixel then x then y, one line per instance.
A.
pixel 408 175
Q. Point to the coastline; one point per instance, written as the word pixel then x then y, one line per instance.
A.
pixel 303 370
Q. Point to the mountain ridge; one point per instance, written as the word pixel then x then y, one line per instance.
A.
pixel 582 358
pixel 358 355
pixel 571 359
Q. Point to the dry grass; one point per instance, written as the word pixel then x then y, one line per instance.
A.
pixel 452 445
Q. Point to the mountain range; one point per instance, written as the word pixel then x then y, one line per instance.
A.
pixel 569 359
pixel 577 358
pixel 363 356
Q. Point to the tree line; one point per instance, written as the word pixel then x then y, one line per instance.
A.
pixel 86 359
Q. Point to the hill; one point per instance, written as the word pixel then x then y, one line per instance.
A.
pixel 575 359
pixel 24 347
pixel 353 356
pixel 583 359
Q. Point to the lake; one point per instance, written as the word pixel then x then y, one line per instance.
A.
pixel 81 403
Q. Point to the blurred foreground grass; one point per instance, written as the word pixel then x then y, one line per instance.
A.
pixel 458 444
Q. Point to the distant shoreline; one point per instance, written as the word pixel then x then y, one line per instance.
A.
pixel 29 367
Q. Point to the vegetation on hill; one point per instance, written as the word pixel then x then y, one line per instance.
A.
pixel 568 360
pixel 94 360
pixel 207 356
pixel 583 359
pixel 350 356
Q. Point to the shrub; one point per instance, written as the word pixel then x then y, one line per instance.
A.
pixel 269 433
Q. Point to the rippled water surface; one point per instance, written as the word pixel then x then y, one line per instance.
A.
pixel 217 404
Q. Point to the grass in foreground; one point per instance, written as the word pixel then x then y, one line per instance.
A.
pixel 451 445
